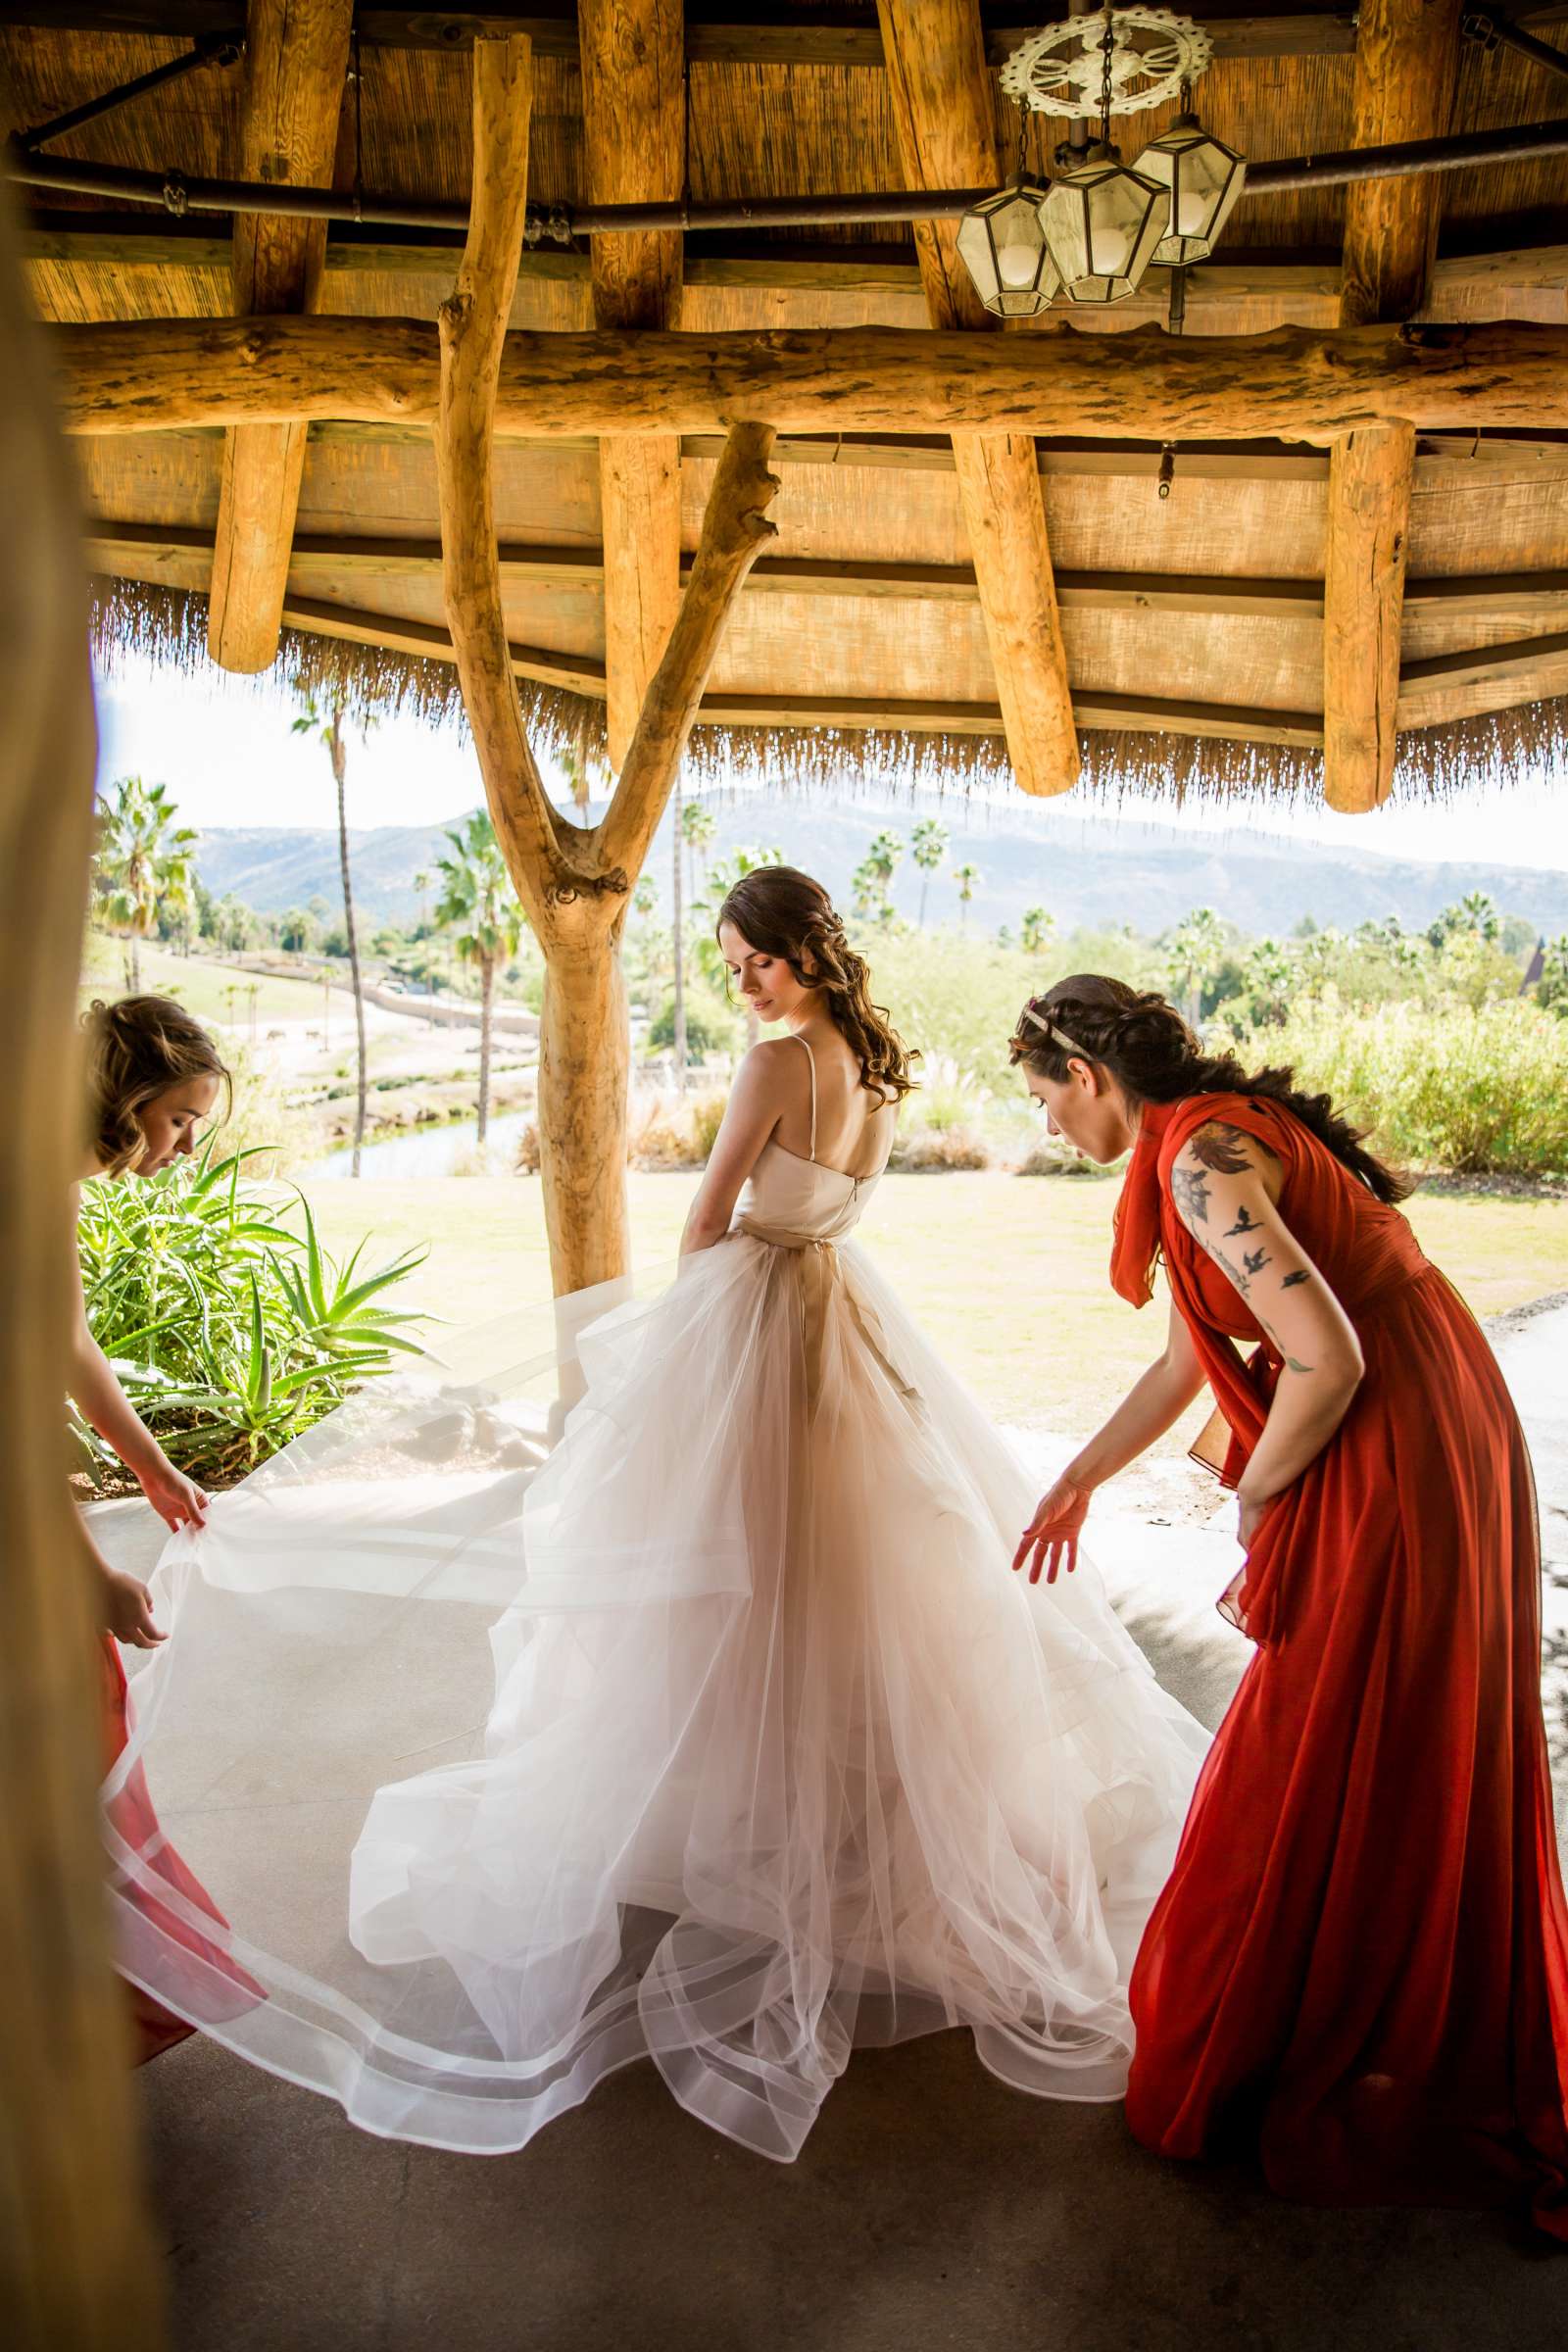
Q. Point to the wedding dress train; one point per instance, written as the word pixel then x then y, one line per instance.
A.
pixel 755 1748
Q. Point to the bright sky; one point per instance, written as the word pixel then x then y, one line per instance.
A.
pixel 223 745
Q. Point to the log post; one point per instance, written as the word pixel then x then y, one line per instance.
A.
pixel 573 881
pixel 1370 474
pixel 75 2252
pixel 941 106
pixel 634 134
pixel 296 58
pixel 1406 58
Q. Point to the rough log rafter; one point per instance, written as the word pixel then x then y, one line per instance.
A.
pixel 296 56
pixel 155 375
pixel 1405 63
pixel 943 112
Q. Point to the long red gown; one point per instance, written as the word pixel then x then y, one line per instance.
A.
pixel 1359 1967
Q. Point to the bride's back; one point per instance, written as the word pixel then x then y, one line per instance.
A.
pixel 826 1112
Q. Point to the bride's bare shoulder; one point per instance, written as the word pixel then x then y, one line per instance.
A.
pixel 775 1067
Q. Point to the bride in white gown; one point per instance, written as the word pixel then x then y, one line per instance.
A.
pixel 767 1753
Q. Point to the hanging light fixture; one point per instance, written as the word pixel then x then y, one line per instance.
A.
pixel 1103 223
pixel 1201 178
pixel 1002 243
pixel 1105 220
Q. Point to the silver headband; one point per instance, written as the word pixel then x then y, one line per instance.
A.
pixel 1058 1037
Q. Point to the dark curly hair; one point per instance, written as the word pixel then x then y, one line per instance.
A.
pixel 1142 1040
pixel 136 1049
pixel 781 912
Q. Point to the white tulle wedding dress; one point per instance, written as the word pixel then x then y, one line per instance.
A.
pixel 719 1732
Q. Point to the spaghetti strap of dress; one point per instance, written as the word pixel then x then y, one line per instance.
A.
pixel 811 1059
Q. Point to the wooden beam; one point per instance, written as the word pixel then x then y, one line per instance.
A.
pixel 296 58
pixel 1406 60
pixel 634 139
pixel 1468 667
pixel 76 2252
pixel 1364 592
pixel 1234 295
pixel 719 31
pixel 159 374
pixel 472 331
pixel 142 550
pixel 944 118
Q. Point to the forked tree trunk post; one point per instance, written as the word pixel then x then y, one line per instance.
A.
pixel 75 2252
pixel 573 882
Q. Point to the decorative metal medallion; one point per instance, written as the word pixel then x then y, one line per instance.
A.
pixel 1062 71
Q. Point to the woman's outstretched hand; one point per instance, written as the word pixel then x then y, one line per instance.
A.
pixel 126 1609
pixel 1051 1539
pixel 177 1498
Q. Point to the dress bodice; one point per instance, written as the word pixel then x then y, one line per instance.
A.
pixel 792 1198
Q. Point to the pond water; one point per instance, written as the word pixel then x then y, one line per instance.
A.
pixel 429 1151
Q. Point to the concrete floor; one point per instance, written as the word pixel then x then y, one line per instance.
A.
pixel 931 2206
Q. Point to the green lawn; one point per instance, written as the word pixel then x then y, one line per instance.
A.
pixel 213 991
pixel 1006 1275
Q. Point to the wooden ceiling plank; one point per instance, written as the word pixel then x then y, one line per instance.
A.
pixel 943 112
pixel 295 60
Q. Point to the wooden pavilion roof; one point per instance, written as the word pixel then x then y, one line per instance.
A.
pixel 1192 622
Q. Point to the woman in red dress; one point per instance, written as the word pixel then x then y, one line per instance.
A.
pixel 1359 1967
pixel 154 1076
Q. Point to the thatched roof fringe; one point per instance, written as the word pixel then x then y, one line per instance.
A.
pixel 169 625
pixel 133 617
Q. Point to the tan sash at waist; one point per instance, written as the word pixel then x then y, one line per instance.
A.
pixel 821 1273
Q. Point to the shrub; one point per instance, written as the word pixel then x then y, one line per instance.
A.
pixel 1053 1155
pixel 527 1162
pixel 1479 1093
pixel 938 1151
pixel 230 1332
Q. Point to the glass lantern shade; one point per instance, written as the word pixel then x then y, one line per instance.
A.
pixel 1104 221
pixel 1003 246
pixel 1201 178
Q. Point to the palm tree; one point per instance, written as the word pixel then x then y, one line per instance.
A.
pixel 477 899
pixel 698 826
pixel 1197 946
pixel 677 934
pixel 582 772
pixel 928 845
pixel 966 877
pixel 722 876
pixel 1036 931
pixel 331 731
pixel 645 897
pixel 143 866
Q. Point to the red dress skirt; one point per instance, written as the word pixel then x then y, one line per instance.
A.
pixel 1359 1967
pixel 131 1816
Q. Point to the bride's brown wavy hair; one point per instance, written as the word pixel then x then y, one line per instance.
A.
pixel 136 1049
pixel 781 912
pixel 1154 1058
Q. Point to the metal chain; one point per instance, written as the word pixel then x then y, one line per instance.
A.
pixel 1108 49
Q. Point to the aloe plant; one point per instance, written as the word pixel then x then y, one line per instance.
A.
pixel 231 1328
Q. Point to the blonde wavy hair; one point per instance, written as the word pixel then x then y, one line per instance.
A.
pixel 781 912
pixel 136 1049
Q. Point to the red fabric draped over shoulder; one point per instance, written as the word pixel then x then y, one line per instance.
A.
pixel 1360 1964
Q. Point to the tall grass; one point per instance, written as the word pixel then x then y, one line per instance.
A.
pixel 1478 1093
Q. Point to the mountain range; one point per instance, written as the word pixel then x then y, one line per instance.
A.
pixel 1091 872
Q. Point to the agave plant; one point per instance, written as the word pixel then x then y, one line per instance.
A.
pixel 231 1330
